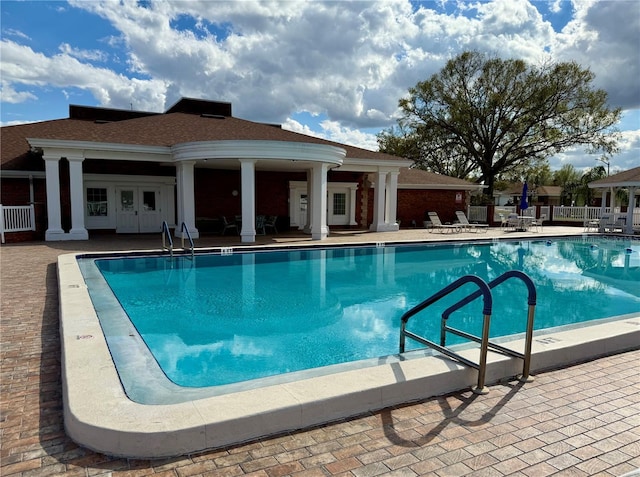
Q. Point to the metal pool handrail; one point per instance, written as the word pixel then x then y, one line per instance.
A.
pixel 488 304
pixel 531 301
pixel 184 228
pixel 166 235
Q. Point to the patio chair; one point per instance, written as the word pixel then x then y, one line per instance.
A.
pixel 539 222
pixel 437 224
pixel 464 222
pixel 503 221
pixel 270 223
pixel 226 225
pixel 513 222
pixel 260 221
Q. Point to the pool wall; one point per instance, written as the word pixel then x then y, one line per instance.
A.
pixel 98 414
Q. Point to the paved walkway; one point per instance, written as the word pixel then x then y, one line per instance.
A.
pixel 579 421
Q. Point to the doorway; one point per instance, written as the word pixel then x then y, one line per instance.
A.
pixel 138 210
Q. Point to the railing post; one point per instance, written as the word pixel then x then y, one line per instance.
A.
pixel 2 222
pixel 484 348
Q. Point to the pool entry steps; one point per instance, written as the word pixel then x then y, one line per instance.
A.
pixel 167 241
pixel 485 292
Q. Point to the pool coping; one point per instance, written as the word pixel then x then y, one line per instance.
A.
pixel 98 414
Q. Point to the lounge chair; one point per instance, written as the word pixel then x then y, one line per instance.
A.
pixel 437 224
pixel 608 224
pixel 464 222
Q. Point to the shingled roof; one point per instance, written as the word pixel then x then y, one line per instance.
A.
pixel 411 178
pixel 187 121
pixel 622 179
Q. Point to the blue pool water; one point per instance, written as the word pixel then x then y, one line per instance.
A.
pixel 220 319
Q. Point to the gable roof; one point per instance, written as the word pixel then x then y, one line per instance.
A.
pixel 629 178
pixel 182 123
pixel 411 178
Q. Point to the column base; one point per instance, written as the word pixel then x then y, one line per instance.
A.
pixel 384 228
pixel 248 238
pixel 55 235
pixel 323 234
pixel 78 234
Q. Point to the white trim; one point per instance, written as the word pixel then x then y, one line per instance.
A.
pixel 22 174
pixel 111 182
pixel 272 150
pixel 470 187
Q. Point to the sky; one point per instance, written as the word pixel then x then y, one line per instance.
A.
pixel 333 69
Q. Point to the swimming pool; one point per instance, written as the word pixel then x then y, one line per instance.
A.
pixel 229 322
pixel 99 415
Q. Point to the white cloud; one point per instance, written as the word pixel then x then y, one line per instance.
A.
pixel 21 65
pixel 10 95
pixel 89 55
pixel 350 61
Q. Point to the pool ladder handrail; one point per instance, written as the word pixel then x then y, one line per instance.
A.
pixel 183 229
pixel 488 304
pixel 166 236
pixel 531 302
pixel 485 292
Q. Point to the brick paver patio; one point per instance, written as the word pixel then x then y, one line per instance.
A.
pixel 579 421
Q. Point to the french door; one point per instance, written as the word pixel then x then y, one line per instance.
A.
pixel 138 210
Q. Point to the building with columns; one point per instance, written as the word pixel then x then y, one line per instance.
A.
pixel 128 171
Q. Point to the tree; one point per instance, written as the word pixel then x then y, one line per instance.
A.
pixel 590 175
pixel 568 178
pixel 486 116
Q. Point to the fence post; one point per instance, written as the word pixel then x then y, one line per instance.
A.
pixel 2 222
pixel 32 216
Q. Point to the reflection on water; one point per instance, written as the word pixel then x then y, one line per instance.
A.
pixel 222 319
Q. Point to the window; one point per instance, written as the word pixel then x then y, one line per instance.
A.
pixel 339 203
pixel 149 200
pixel 97 202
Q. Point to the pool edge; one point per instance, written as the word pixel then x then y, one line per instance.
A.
pixel 98 415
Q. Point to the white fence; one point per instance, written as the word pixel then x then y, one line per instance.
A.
pixel 17 218
pixel 477 213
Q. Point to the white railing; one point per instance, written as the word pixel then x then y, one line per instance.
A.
pixel 503 210
pixel 477 213
pixel 581 214
pixel 16 218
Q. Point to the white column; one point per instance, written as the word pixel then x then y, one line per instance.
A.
pixel 391 201
pixel 76 190
pixel 318 191
pixel 307 225
pixel 185 186
pixel 630 209
pixel 248 189
pixel 54 219
pixel 379 201
pixel 603 204
pixel 353 193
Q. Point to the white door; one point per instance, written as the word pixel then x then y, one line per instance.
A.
pixel 127 210
pixel 138 210
pixel 149 218
pixel 338 207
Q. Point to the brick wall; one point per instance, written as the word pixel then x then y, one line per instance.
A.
pixel 414 204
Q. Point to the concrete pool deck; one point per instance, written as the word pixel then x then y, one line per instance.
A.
pixel 582 419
